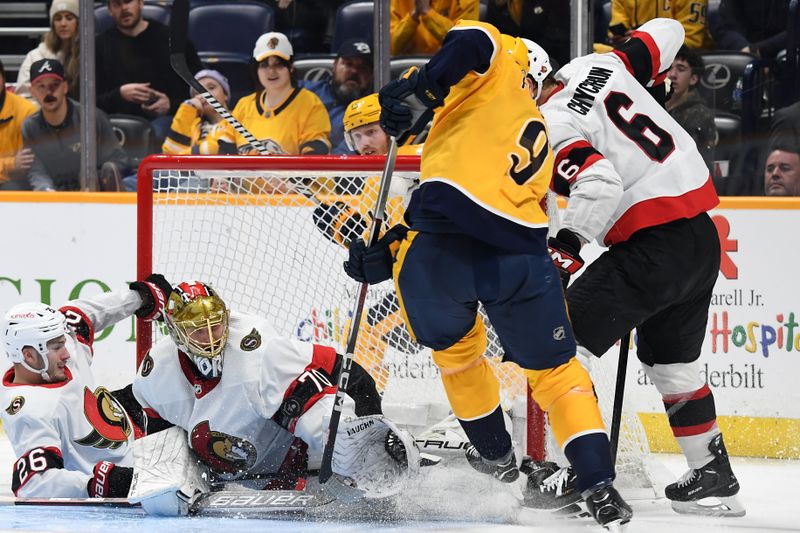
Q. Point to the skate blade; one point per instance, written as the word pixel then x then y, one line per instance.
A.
pixel 617 526
pixel 714 506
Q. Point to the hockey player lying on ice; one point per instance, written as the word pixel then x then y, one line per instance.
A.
pixel 253 406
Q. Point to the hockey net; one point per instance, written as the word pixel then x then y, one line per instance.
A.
pixel 245 225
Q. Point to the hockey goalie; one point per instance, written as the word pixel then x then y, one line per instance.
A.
pixel 231 404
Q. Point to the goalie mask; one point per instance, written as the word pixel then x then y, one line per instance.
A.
pixel 197 320
pixel 360 112
pixel 32 324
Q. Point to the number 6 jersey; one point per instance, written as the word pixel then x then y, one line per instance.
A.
pixel 620 157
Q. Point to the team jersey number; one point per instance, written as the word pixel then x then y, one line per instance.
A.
pixel 35 461
pixel 533 141
pixel 654 141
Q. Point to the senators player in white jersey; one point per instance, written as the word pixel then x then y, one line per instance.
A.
pixel 256 405
pixel 70 434
pixel 637 183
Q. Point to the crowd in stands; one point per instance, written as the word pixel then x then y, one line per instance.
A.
pixel 728 85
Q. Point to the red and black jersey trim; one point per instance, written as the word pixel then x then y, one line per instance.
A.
pixel 81 323
pixel 201 384
pixel 691 414
pixel 641 57
pixel 316 380
pixel 578 155
pixel 29 465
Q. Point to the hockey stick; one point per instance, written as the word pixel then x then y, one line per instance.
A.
pixel 68 502
pixel 178 31
pixel 325 470
pixel 619 393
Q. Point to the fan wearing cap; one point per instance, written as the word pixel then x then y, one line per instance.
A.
pixel 419 26
pixel 350 79
pixel 286 118
pixel 60 42
pixel 53 134
pixel 197 128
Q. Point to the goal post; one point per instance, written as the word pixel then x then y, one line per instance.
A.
pixel 246 225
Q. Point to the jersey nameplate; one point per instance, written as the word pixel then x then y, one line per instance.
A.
pixel 583 97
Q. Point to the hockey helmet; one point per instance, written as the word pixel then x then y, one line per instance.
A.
pixel 194 312
pixel 539 63
pixel 31 324
pixel 366 110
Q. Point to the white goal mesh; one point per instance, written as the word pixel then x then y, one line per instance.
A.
pixel 249 233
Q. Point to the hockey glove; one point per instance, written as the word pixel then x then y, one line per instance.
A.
pixel 565 249
pixel 110 481
pixel 407 104
pixel 155 291
pixel 374 264
pixel 339 223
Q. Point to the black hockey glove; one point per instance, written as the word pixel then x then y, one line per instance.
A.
pixel 407 104
pixel 339 223
pixel 155 291
pixel 565 249
pixel 110 481
pixel 374 264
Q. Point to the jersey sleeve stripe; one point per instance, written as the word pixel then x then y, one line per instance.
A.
pixel 323 357
pixel 571 161
pixel 661 210
pixel 24 466
pixel 84 329
pixel 640 56
pixel 652 49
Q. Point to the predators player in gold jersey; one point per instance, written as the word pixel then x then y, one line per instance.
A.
pixel 478 234
pixel 343 221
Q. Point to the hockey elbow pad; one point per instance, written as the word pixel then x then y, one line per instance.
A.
pixel 564 250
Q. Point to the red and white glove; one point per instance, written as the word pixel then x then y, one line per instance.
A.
pixel 155 291
pixel 110 481
pixel 564 250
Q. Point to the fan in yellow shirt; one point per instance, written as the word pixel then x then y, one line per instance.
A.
pixel 419 26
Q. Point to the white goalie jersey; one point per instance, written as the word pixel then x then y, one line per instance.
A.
pixel 60 430
pixel 620 157
pixel 238 424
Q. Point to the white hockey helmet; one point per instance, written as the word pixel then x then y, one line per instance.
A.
pixel 31 324
pixel 538 63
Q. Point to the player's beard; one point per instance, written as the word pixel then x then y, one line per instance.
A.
pixel 346 93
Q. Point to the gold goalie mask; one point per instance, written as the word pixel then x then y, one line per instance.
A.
pixel 197 320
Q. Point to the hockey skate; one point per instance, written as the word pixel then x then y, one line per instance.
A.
pixel 607 506
pixel 714 480
pixel 551 488
pixel 504 469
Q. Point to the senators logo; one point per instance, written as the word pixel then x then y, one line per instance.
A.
pixel 251 341
pixel 107 417
pixel 222 452
pixel 15 405
pixel 147 365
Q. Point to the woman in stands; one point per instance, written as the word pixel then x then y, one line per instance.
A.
pixel 60 42
pixel 284 117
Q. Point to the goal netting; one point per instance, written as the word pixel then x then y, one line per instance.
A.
pixel 246 226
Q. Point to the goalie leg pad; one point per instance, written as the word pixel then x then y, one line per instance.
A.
pixel 377 457
pixel 167 479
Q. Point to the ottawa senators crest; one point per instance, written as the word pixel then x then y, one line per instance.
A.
pixel 15 405
pixel 251 341
pixel 222 452
pixel 107 417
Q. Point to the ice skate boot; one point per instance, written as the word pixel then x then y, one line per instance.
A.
pixel 607 506
pixel 505 469
pixel 714 480
pixel 550 487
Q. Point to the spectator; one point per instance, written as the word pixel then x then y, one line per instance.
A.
pixel 753 27
pixel 197 128
pixel 307 22
pixel 351 79
pixel 544 21
pixel 60 42
pixel 133 71
pixel 786 126
pixel 14 159
pixel 419 26
pixel 782 172
pixel 628 15
pixel 687 106
pixel 53 134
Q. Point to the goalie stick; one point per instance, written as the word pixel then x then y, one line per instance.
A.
pixel 178 32
pixel 68 502
pixel 326 470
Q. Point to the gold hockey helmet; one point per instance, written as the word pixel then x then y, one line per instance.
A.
pixel 197 320
pixel 366 110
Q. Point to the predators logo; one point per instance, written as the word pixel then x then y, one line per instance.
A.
pixel 111 425
pixel 222 452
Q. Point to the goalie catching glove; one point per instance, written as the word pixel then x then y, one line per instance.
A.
pixel 155 291
pixel 374 457
pixel 374 264
pixel 407 104
pixel 564 250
